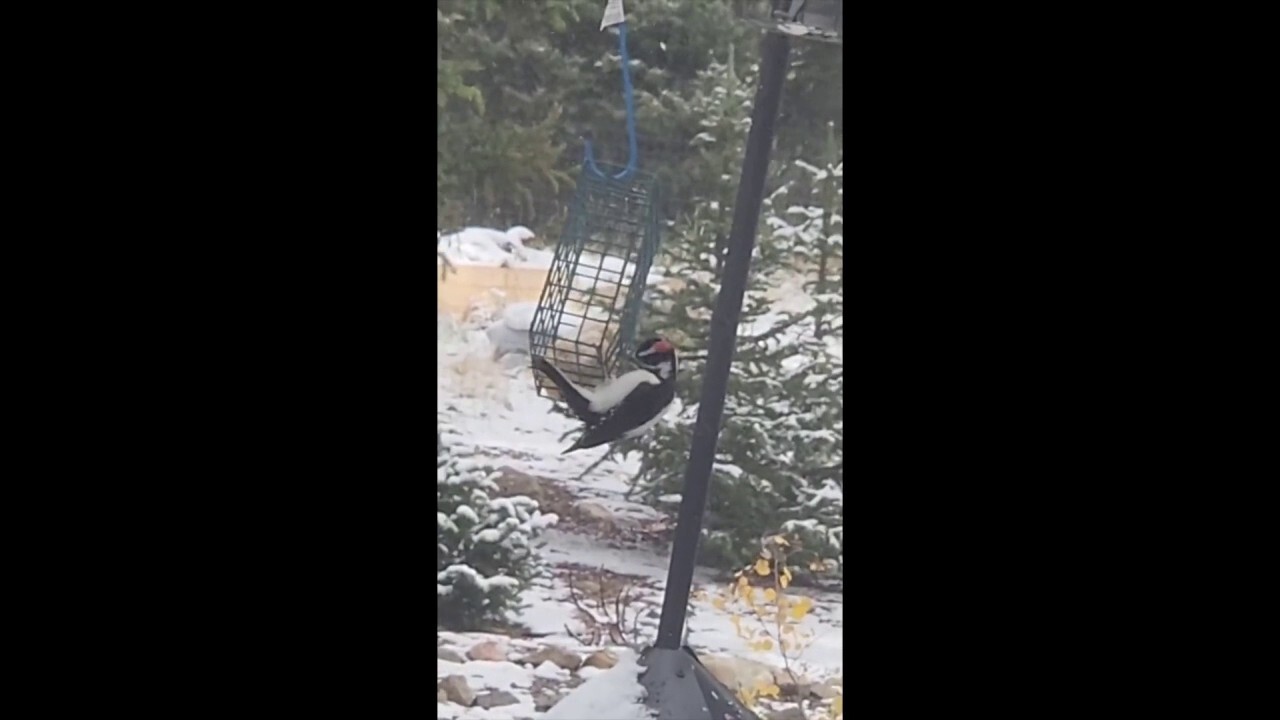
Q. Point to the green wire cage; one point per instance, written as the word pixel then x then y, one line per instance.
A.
pixel 589 309
pixel 590 305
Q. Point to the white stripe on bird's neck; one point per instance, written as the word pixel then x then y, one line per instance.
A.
pixel 612 393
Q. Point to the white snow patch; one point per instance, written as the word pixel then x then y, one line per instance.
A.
pixel 512 426
pixel 551 671
pixel 615 694
pixel 497 248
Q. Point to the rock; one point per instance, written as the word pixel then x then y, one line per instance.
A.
pixel 550 671
pixel 441 695
pixel 788 713
pixel 796 686
pixel 544 700
pixel 603 659
pixel 448 653
pixel 513 482
pixel 488 650
pixel 824 690
pixel 737 673
pixel 497 698
pixel 457 690
pixel 591 511
pixel 558 655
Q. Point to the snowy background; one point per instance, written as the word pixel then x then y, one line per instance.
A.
pixel 522 531
pixel 494 417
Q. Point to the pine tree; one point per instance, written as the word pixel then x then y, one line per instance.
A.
pixel 518 84
pixel 749 481
pixel 779 456
pixel 483 553
pixel 810 230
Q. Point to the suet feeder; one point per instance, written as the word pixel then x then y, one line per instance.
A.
pixel 589 309
pixel 590 305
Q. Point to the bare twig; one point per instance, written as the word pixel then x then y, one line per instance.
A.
pixel 444 270
pixel 609 616
pixel 587 615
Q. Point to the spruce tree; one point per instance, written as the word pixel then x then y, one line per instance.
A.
pixel 779 449
pixel 746 478
pixel 806 223
pixel 483 552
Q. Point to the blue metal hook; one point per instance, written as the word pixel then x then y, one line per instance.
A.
pixel 630 169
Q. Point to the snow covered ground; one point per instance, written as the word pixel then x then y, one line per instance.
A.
pixel 496 414
pixel 497 248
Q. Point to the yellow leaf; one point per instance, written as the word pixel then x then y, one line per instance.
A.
pixel 762 567
pixel 785 579
pixel 771 690
pixel 838 706
pixel 770 595
pixel 742 581
pixel 801 608
pixel 762 645
pixel 719 603
pixel 781 541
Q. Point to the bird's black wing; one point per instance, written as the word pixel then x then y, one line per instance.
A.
pixel 644 402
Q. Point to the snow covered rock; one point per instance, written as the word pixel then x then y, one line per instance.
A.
pixel 557 655
pixel 612 695
pixel 593 512
pixel 457 690
pixel 496 698
pixel 545 699
pixel 737 673
pixel 603 659
pixel 514 482
pixel 510 333
pixel 485 245
pixel 450 655
pixel 550 671
pixel 491 650
pixel 825 690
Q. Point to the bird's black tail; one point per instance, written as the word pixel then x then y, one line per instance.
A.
pixel 578 402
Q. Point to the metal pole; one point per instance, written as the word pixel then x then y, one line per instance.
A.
pixel 774 54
